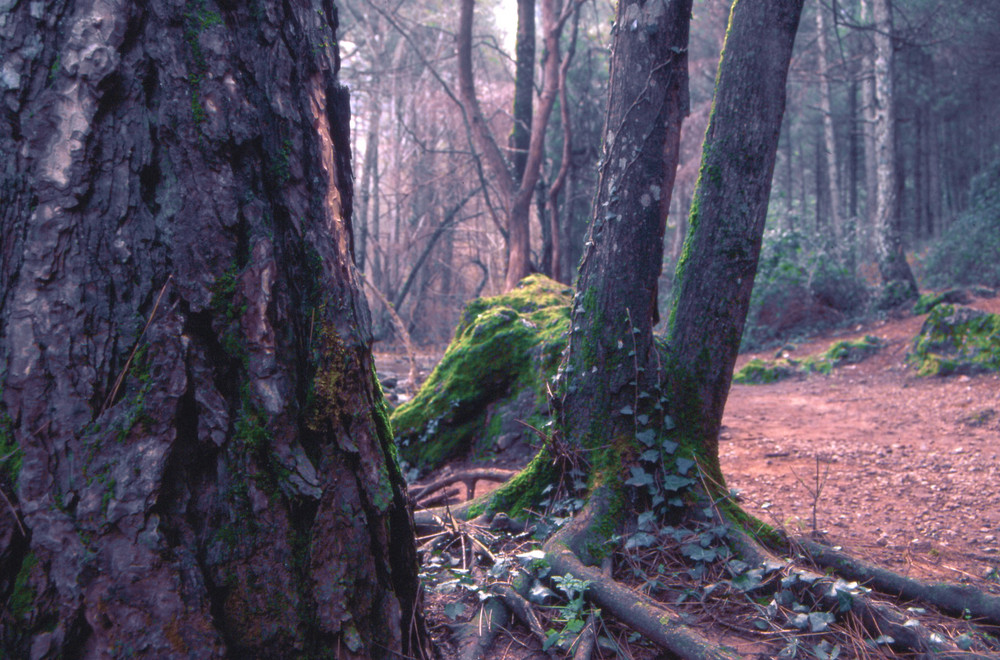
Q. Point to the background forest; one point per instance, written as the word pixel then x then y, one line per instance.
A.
pixel 429 225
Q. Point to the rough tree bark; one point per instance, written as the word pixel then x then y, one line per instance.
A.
pixel 648 100
pixel 898 283
pixel 207 469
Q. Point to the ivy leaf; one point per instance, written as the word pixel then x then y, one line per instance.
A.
pixel 454 610
pixel 820 621
pixel 650 456
pixel 627 410
pixel 668 423
pixel 640 540
pixel 647 437
pixel 639 477
pixel 669 446
pixel 697 553
pixel 642 419
pixel 674 482
pixel 684 465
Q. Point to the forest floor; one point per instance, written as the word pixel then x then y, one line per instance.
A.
pixel 901 470
pixel 908 467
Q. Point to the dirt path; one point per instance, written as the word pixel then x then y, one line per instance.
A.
pixel 910 467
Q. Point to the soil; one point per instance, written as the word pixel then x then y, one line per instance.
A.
pixel 908 467
pixel 901 470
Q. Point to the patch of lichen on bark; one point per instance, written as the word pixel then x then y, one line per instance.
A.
pixel 324 402
pixel 502 345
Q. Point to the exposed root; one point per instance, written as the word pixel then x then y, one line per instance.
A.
pixel 474 638
pixel 879 619
pixel 954 599
pixel 467 477
pixel 655 621
pixel 521 608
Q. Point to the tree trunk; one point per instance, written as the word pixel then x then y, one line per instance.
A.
pixel 715 276
pixel 829 137
pixel 524 86
pixel 648 99
pixel 868 121
pixel 897 279
pixel 207 468
pixel 516 195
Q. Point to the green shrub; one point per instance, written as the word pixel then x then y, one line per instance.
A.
pixel 969 251
pixel 800 286
pixel 762 372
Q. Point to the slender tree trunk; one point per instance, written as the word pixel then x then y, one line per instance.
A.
pixel 714 278
pixel 207 468
pixel 868 105
pixel 368 207
pixel 829 137
pixel 897 278
pixel 516 195
pixel 524 86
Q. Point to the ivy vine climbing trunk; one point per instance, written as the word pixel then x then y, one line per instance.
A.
pixel 206 466
pixel 613 316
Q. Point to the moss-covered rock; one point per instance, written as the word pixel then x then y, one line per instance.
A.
pixel 491 378
pixel 762 372
pixel 957 339
pixel 928 301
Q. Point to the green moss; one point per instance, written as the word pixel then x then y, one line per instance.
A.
pixel 224 303
pixel 505 347
pixel 523 492
pixel 763 372
pixel 11 454
pixel 957 339
pixel 751 525
pixel 760 372
pixel 23 595
pixel 323 404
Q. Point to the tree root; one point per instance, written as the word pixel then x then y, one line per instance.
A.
pixel 953 599
pixel 475 637
pixel 468 477
pixel 521 608
pixel 878 618
pixel 652 619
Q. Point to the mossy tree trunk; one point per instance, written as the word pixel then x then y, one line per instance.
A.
pixel 206 467
pixel 616 301
pixel 715 274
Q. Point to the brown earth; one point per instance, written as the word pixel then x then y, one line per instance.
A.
pixel 908 467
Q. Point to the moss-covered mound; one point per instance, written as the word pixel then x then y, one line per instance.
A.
pixel 957 339
pixel 928 301
pixel 491 378
pixel 761 372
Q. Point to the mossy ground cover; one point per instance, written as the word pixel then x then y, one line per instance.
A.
pixel 491 378
pixel 956 339
pixel 762 372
